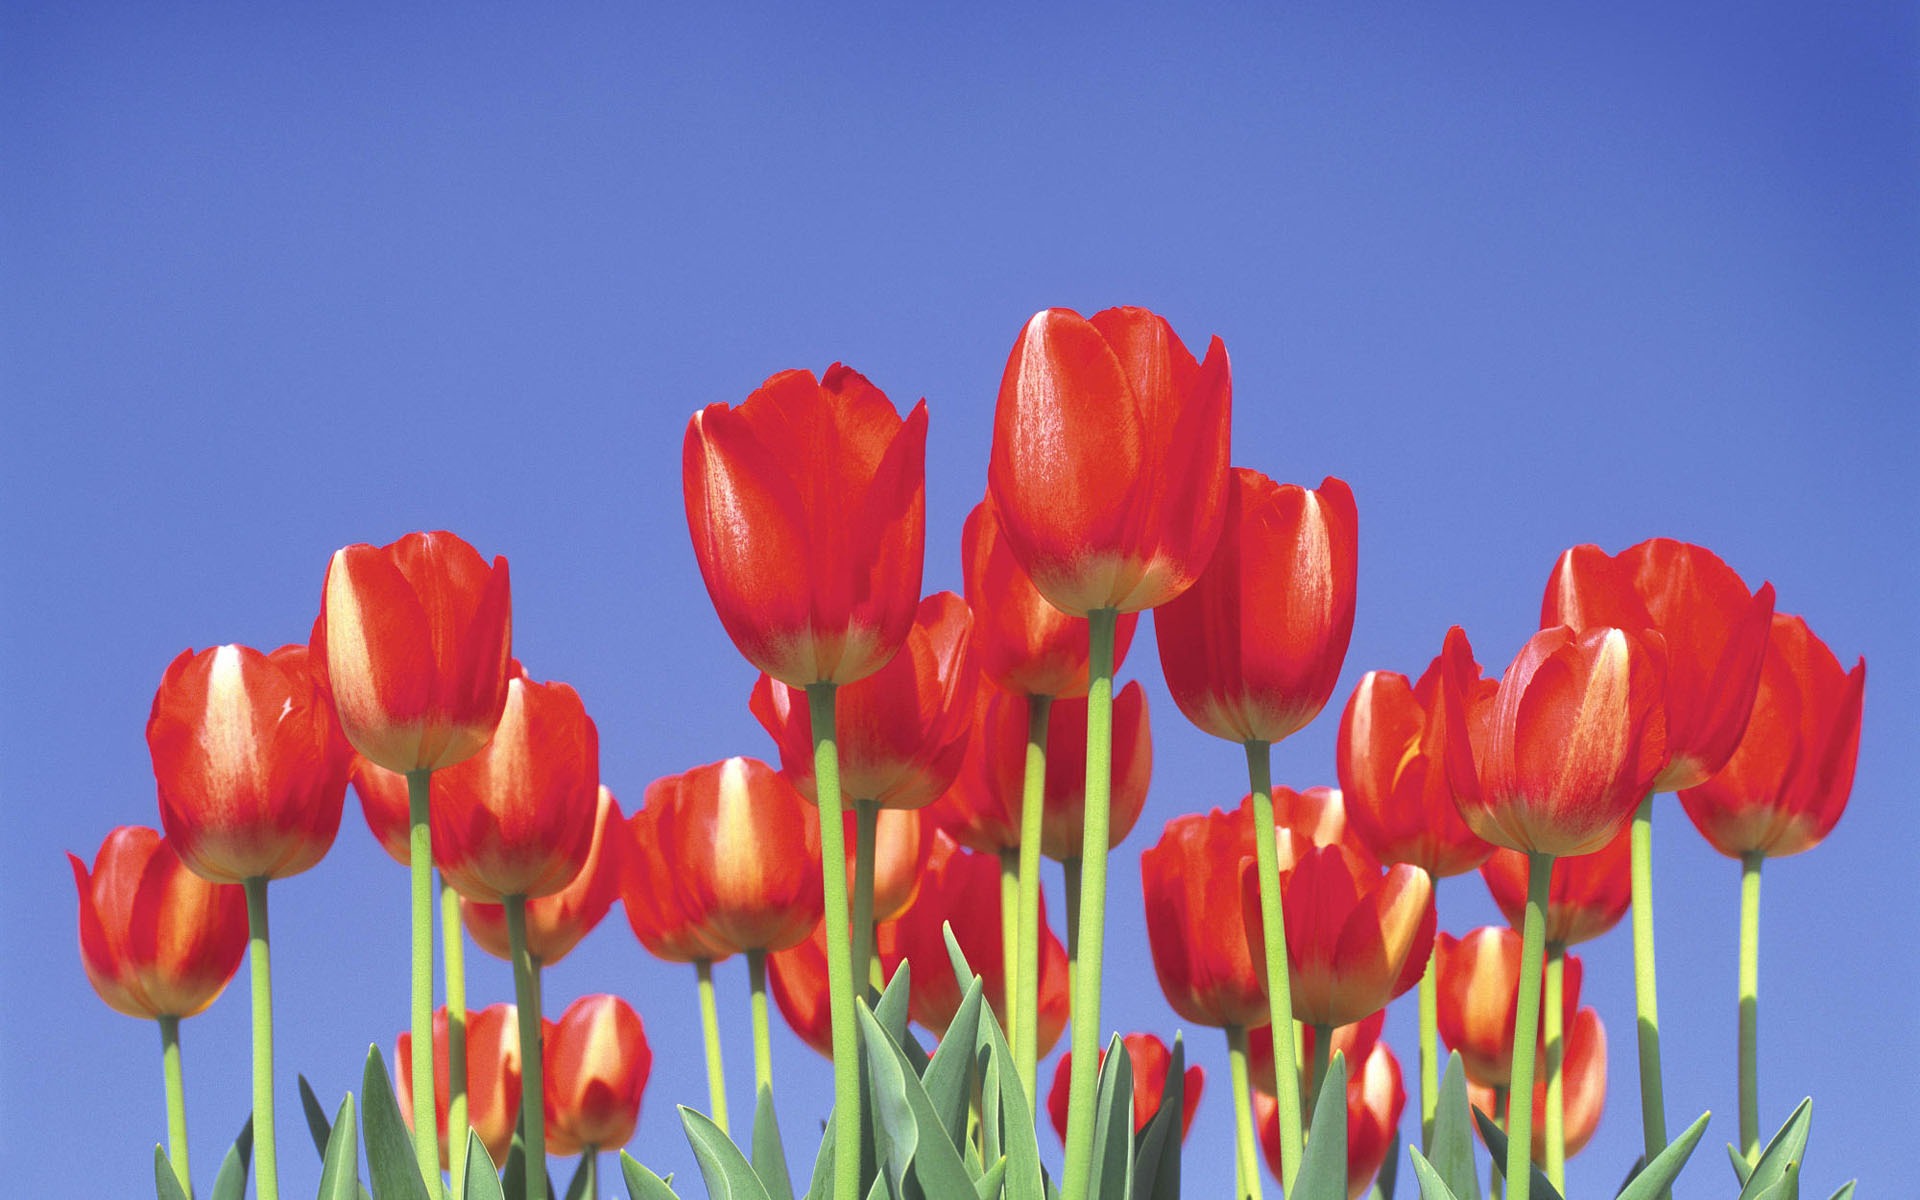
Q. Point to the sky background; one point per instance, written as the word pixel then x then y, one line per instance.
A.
pixel 272 282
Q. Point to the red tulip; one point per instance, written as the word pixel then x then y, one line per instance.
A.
pixel 657 910
pixel 1589 893
pixel 156 939
pixel 493 1076
pixel 1715 633
pixel 1149 1059
pixel 1109 463
pixel 1583 1071
pixel 1355 1041
pixel 1571 742
pixel 1252 650
pixel 1315 816
pixel 251 767
pixel 1023 643
pixel 744 850
pixel 596 1063
pixel 798 978
pixel 902 843
pixel 517 819
pixel 1404 754
pixel 1195 928
pixel 903 729
pixel 557 922
pixel 807 508
pixel 413 644
pixel 1786 784
pixel 383 801
pixel 1478 981
pixel 1375 1099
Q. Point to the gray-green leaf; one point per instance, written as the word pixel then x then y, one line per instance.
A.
pixel 1323 1165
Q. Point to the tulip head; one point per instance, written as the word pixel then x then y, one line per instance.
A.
pixel 557 922
pixel 1588 895
pixel 744 852
pixel 1355 1041
pixel 1356 937
pixel 1195 926
pixel 1376 1096
pixel 657 908
pixel 797 976
pixel 1148 1059
pixel 493 1077
pixel 596 1062
pixel 1478 984
pixel 1583 1073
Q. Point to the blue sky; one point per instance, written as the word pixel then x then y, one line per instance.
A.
pixel 276 281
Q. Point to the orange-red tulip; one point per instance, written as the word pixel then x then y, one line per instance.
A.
pixel 1375 1098
pixel 1478 978
pixel 1195 927
pixel 1022 642
pixel 1588 896
pixel 1149 1059
pixel 517 818
pixel 744 850
pixel 383 801
pixel 655 908
pixel 903 729
pixel 156 939
pixel 1252 650
pixel 595 1061
pixel 1786 784
pixel 252 769
pixel 1109 462
pixel 413 644
pixel 901 845
pixel 493 1076
pixel 1404 754
pixel 1571 742
pixel 798 979
pixel 1715 633
pixel 1583 1071
pixel 1315 816
pixel 1355 1041
pixel 807 506
pixel 556 923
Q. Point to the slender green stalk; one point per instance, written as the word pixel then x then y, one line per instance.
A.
pixel 266 1163
pixel 1093 907
pixel 453 958
pixel 1555 1037
pixel 1497 1186
pixel 866 837
pixel 1246 1154
pixel 532 1097
pixel 1273 928
pixel 1653 1105
pixel 426 1138
pixel 1070 876
pixel 1526 1021
pixel 1033 798
pixel 1750 1005
pixel 176 1100
pixel 1009 942
pixel 593 1172
pixel 710 1033
pixel 1322 1061
pixel 840 982
pixel 762 1039
pixel 1429 1047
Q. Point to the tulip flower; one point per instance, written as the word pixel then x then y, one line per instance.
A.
pixel 1355 1041
pixel 1585 1072
pixel 798 977
pixel 1587 896
pixel 158 941
pixel 1375 1098
pixel 493 1090
pixel 599 1064
pixel 1479 981
pixel 1149 1060
pixel 557 922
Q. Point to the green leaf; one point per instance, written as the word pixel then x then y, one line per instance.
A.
pixel 166 1184
pixel 1110 1175
pixel 893 1016
pixel 1156 1157
pixel 987 1187
pixel 1019 1141
pixel 1323 1166
pixel 949 1074
pixel 1665 1167
pixel 1432 1186
pixel 317 1125
pixel 1741 1167
pixel 340 1162
pixel 909 1134
pixel 1845 1192
pixel 728 1174
pixel 769 1156
pixel 991 1119
pixel 390 1161
pixel 1780 1161
pixel 1496 1139
pixel 231 1182
pixel 577 1186
pixel 877 1192
pixel 820 1187
pixel 643 1184
pixel 483 1180
pixel 1450 1153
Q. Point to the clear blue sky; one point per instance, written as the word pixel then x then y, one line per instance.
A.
pixel 273 282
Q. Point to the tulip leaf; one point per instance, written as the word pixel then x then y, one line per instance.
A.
pixel 1742 1169
pixel 1781 1160
pixel 911 1136
pixel 643 1184
pixel 1019 1141
pixel 893 1016
pixel 1450 1152
pixel 390 1162
pixel 1323 1165
pixel 1156 1172
pixel 340 1164
pixel 821 1185
pixel 483 1181
pixel 949 1074
pixel 879 1189
pixel 317 1124
pixel 769 1157
pixel 231 1182
pixel 728 1174
pixel 1432 1186
pixel 1496 1139
pixel 1389 1173
pixel 1110 1174
pixel 991 1123
pixel 577 1186
pixel 1845 1191
pixel 166 1184
pixel 991 1180
pixel 1660 1173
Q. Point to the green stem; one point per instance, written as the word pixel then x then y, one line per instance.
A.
pixel 1322 1061
pixel 1273 928
pixel 1750 1005
pixel 1246 1155
pixel 266 1163
pixel 1653 1106
pixel 1554 1035
pixel 1093 909
pixel 1033 799
pixel 1526 1022
pixel 1009 944
pixel 453 957
pixel 1070 876
pixel 762 1039
pixel 1429 1047
pixel 532 1097
pixel 176 1100
pixel 426 1135
pixel 593 1172
pixel 1497 1186
pixel 866 837
pixel 840 982
pixel 710 1033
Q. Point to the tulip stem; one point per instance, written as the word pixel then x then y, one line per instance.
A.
pixel 453 957
pixel 176 1100
pixel 1033 798
pixel 1526 1024
pixel 1429 1048
pixel 1273 929
pixel 426 1138
pixel 1009 944
pixel 1750 1005
pixel 1322 1060
pixel 1093 907
pixel 593 1172
pixel 1554 1035
pixel 532 1097
pixel 1653 1106
pixel 762 1039
pixel 266 1162
pixel 1070 877
pixel 710 1033
pixel 866 836
pixel 1246 1161
pixel 840 981
pixel 1497 1186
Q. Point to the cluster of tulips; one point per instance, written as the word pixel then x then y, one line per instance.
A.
pixel 931 751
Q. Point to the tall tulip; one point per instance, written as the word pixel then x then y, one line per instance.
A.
pixel 557 922
pixel 1150 1062
pixel 1375 1098
pixel 1587 896
pixel 492 1084
pixel 1479 983
pixel 600 1062
pixel 1585 1073
pixel 1355 1041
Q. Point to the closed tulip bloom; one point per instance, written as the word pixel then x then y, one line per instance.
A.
pixel 1355 1041
pixel 797 977
pixel 744 849
pixel 807 506
pixel 493 1077
pixel 1315 816
pixel 596 1064
pixel 902 844
pixel 903 729
pixel 1109 463
pixel 1589 893
pixel 517 819
pixel 1583 1072
pixel 1715 633
pixel 156 939
pixel 1195 926
pixel 383 801
pixel 1252 650
pixel 1022 642
pixel 1571 742
pixel 251 767
pixel 557 922
pixel 1404 755
pixel 660 916
pixel 1479 983
pixel 413 645
pixel 1787 783
pixel 1149 1059
pixel 1376 1096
